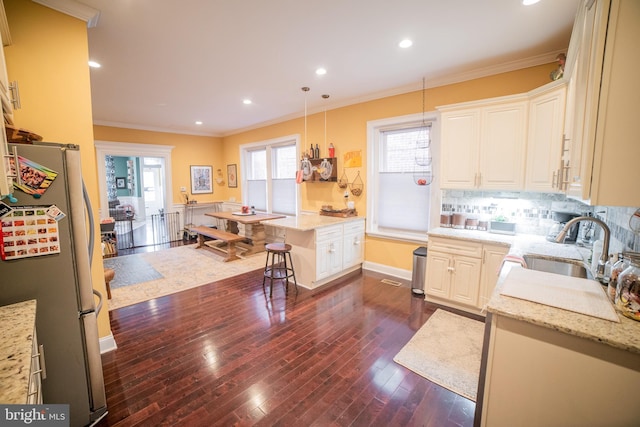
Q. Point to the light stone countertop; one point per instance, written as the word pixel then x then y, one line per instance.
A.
pixel 624 335
pixel 16 340
pixel 308 222
pixel 519 244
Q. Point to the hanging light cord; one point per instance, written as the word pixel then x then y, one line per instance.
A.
pixel 423 102
pixel 325 124
pixel 305 89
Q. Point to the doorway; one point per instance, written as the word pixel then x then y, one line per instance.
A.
pixel 145 187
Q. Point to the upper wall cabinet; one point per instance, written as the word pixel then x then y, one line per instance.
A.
pixel 483 144
pixel 602 101
pixel 545 138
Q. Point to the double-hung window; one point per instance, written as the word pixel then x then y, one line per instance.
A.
pixel 269 171
pixel 397 205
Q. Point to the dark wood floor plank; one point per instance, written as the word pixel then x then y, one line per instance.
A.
pixel 225 354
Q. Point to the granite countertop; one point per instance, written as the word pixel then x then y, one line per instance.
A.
pixel 624 335
pixel 308 222
pixel 519 244
pixel 16 340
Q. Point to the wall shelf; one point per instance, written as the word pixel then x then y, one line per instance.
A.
pixel 315 177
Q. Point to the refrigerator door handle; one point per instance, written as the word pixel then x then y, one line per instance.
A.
pixel 79 229
pixel 99 307
pixel 98 398
pixel 87 202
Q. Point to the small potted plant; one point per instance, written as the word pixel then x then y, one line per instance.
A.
pixel 500 224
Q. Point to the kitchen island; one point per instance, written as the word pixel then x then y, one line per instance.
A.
pixel 324 248
pixel 549 366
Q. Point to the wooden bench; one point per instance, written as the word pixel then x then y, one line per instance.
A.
pixel 214 233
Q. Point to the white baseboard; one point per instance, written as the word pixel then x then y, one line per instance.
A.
pixel 107 344
pixel 385 269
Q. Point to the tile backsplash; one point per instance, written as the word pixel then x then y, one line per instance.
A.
pixel 532 212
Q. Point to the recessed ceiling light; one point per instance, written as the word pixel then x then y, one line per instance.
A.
pixel 198 122
pixel 94 64
pixel 247 101
pixel 405 43
pixel 321 71
pixel 529 2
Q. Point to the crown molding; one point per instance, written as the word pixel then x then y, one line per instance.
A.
pixel 73 8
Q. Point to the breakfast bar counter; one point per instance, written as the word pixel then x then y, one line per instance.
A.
pixel 308 222
pixel 324 248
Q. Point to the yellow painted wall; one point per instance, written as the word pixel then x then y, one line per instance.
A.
pixel 48 58
pixel 189 150
pixel 347 130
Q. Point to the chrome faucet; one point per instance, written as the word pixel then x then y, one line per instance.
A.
pixel 605 244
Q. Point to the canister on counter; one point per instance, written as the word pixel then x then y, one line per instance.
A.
pixel 471 224
pixel 458 220
pixel 445 220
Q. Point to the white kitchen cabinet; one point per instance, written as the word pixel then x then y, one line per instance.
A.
pixel 453 271
pixel 483 144
pixel 453 278
pixel 461 273
pixel 321 254
pixel 578 381
pixel 460 148
pixel 545 138
pixel 328 251
pixel 602 65
pixel 353 244
pixel 492 256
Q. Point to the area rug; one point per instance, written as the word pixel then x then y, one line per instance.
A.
pixel 131 269
pixel 446 350
pixel 181 268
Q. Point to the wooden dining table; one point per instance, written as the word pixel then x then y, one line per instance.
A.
pixel 249 226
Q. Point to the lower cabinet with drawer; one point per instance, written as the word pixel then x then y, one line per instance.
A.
pixel 459 272
pixel 326 253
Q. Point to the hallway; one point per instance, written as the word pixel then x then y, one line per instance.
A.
pixel 155 233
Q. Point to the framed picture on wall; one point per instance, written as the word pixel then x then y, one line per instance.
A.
pixel 232 176
pixel 201 180
pixel 121 183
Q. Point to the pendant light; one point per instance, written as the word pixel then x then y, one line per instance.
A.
pixel 422 172
pixel 305 165
pixel 326 168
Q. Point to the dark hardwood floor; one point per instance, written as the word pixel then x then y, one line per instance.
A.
pixel 225 354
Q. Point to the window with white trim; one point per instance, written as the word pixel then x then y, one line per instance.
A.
pixel 269 171
pixel 397 206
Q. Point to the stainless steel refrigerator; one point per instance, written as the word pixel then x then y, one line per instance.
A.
pixel 50 260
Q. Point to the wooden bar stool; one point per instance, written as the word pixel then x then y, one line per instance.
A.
pixel 279 268
pixel 109 274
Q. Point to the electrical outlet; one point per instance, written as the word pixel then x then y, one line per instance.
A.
pixel 183 189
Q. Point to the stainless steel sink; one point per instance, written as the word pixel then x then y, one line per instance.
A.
pixel 565 267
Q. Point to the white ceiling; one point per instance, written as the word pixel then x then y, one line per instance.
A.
pixel 167 63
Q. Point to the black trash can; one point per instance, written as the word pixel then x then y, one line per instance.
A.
pixel 419 270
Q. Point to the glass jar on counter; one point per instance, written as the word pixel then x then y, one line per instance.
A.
pixel 618 267
pixel 628 287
